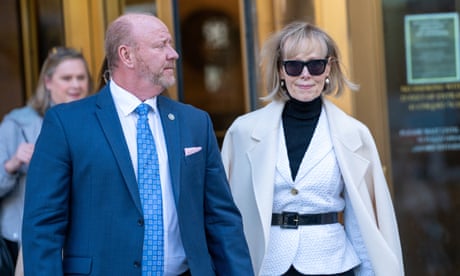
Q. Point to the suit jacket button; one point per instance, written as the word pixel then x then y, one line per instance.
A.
pixel 137 264
pixel 140 222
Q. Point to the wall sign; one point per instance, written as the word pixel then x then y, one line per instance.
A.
pixel 432 48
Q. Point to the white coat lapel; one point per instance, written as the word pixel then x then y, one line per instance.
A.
pixel 346 145
pixel 263 158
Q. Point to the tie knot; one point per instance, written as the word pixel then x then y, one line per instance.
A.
pixel 143 109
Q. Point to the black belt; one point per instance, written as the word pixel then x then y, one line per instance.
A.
pixel 292 220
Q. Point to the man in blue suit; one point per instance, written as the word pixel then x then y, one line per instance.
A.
pixel 83 214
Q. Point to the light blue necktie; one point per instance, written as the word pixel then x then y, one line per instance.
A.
pixel 150 192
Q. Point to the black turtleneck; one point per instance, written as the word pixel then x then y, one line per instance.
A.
pixel 299 123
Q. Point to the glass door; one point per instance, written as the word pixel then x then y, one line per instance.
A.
pixel 212 60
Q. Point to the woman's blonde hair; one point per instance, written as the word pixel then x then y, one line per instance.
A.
pixel 290 41
pixel 41 100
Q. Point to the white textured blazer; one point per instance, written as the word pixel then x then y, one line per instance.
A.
pixel 250 151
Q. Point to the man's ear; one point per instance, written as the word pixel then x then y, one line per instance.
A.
pixel 126 55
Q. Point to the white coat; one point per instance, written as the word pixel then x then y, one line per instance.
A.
pixel 250 151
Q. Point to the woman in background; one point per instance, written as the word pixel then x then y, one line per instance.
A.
pixel 64 77
pixel 299 164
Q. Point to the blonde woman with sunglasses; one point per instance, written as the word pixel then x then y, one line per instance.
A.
pixel 306 176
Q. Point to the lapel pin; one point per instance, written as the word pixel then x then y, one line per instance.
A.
pixel 171 116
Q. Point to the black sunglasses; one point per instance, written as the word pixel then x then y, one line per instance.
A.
pixel 295 67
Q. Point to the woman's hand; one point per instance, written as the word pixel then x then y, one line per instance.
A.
pixel 22 156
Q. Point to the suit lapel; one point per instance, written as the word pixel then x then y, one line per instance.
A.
pixel 110 124
pixel 319 147
pixel 170 123
pixel 282 162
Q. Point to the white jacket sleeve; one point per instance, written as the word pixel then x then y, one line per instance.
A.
pixel 354 235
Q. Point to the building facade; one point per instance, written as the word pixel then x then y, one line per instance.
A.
pixel 404 54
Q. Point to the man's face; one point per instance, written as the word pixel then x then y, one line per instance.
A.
pixel 155 56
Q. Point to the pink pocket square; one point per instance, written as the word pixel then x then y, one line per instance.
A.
pixel 191 150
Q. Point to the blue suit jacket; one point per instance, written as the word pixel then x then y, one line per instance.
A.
pixel 83 213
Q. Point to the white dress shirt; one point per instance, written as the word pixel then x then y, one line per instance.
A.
pixel 126 103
